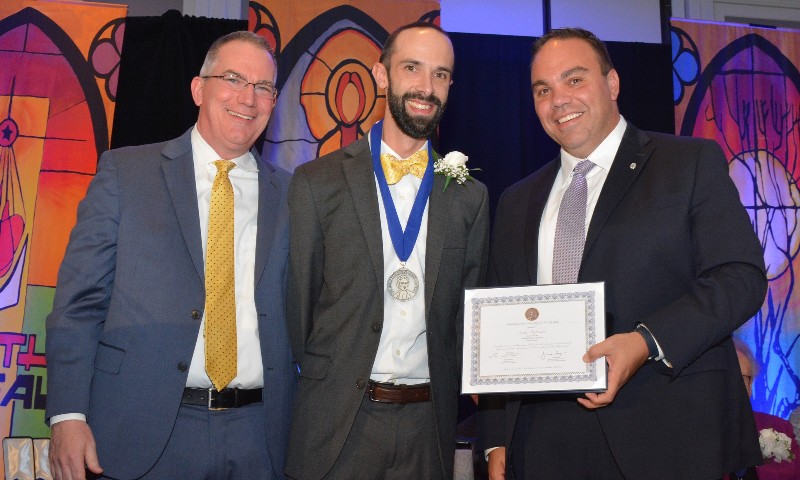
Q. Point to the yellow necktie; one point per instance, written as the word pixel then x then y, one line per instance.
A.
pixel 395 169
pixel 220 330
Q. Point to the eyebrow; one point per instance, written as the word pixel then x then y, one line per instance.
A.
pixel 573 71
pixel 417 62
pixel 260 82
pixel 566 74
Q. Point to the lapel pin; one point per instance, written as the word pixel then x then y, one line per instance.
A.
pixel 633 166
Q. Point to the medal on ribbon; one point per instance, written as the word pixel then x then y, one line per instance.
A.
pixel 403 284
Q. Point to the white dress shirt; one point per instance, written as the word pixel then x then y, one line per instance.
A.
pixel 244 179
pixel 403 349
pixel 602 157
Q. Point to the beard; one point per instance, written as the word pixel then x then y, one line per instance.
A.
pixel 415 127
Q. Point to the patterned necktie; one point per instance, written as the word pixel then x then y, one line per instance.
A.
pixel 395 169
pixel 220 329
pixel 571 227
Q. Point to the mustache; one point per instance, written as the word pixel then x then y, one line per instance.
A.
pixel 418 96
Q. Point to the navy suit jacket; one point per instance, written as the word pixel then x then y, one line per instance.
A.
pixel 130 297
pixel 677 252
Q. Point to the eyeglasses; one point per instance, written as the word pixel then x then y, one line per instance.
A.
pixel 235 82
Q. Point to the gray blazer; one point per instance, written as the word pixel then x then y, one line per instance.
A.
pixel 130 298
pixel 335 308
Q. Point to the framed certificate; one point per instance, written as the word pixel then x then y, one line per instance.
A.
pixel 532 339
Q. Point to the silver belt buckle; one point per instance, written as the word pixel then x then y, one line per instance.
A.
pixel 209 400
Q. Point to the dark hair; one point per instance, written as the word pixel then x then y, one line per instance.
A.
pixel 581 34
pixel 238 36
pixel 388 46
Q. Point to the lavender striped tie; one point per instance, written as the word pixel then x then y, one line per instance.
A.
pixel 571 227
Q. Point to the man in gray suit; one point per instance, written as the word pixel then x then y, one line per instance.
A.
pixel 129 395
pixel 378 266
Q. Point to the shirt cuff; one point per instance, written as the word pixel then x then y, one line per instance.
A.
pixel 66 416
pixel 487 452
pixel 660 357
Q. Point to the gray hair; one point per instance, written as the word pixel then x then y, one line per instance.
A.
pixel 238 36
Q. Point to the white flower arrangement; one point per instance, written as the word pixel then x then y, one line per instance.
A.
pixel 775 445
pixel 453 166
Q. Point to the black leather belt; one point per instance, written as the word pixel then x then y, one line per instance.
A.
pixel 391 393
pixel 227 398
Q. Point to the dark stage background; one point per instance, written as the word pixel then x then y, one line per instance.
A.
pixel 489 117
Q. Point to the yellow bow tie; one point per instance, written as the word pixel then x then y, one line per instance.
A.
pixel 395 169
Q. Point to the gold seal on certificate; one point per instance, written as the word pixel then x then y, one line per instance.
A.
pixel 403 284
pixel 532 339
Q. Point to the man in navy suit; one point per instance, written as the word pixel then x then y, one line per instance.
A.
pixel 129 396
pixel 666 232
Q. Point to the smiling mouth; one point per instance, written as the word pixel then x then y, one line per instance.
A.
pixel 420 106
pixel 569 117
pixel 239 115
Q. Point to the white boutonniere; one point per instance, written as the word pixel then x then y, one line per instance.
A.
pixel 453 166
pixel 775 445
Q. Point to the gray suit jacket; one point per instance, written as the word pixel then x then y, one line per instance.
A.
pixel 335 309
pixel 675 248
pixel 130 297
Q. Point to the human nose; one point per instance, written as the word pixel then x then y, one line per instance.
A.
pixel 425 84
pixel 247 95
pixel 559 98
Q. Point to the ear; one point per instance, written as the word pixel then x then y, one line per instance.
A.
pixel 197 90
pixel 613 83
pixel 380 74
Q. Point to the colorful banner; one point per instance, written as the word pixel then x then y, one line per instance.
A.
pixel 57 91
pixel 740 86
pixel 326 49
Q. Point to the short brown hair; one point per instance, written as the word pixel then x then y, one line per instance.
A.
pixel 388 46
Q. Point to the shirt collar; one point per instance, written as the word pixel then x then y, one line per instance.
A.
pixel 203 154
pixel 602 156
pixel 387 149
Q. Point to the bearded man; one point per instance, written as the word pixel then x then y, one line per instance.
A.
pixel 380 255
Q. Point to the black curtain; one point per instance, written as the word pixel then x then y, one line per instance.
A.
pixel 490 115
pixel 160 57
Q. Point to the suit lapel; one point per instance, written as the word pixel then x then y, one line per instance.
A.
pixel 439 213
pixel 269 198
pixel 631 157
pixel 540 192
pixel 357 168
pixel 178 169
